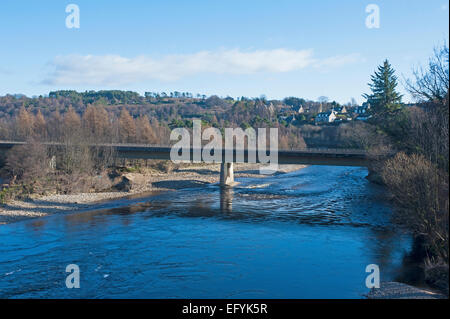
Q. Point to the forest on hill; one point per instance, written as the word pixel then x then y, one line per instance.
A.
pixel 128 117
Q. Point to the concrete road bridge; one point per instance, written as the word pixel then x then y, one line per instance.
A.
pixel 334 157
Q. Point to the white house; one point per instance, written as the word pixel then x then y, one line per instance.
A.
pixel 299 109
pixel 326 117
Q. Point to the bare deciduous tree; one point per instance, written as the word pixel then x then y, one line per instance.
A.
pixel 432 84
pixel 28 163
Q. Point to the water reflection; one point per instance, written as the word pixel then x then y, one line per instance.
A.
pixel 226 199
pixel 37 225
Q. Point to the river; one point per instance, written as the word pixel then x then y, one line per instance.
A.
pixel 305 234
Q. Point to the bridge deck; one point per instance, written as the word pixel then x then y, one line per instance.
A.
pixel 337 157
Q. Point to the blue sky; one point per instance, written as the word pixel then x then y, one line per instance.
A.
pixel 237 48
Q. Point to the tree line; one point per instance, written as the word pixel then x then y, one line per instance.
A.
pixel 95 124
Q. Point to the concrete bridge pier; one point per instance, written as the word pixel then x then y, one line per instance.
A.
pixel 226 174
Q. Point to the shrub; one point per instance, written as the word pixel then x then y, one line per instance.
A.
pixel 421 191
pixel 28 163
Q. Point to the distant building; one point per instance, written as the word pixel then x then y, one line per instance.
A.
pixel 299 109
pixel 340 109
pixel 364 109
pixel 326 117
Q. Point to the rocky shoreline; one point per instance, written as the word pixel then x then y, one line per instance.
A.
pixel 397 290
pixel 138 185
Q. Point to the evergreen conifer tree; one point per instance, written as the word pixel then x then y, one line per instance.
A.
pixel 384 98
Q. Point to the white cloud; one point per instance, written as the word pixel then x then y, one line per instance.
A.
pixel 116 70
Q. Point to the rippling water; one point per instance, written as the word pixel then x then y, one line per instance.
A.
pixel 306 234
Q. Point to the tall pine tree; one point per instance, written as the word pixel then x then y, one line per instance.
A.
pixel 384 98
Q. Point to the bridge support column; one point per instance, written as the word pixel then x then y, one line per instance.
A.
pixel 226 174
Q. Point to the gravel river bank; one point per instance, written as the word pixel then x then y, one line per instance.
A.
pixel 143 185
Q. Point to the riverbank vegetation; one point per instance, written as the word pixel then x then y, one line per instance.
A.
pixel 418 175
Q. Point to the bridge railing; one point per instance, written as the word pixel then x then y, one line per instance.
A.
pixel 9 144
